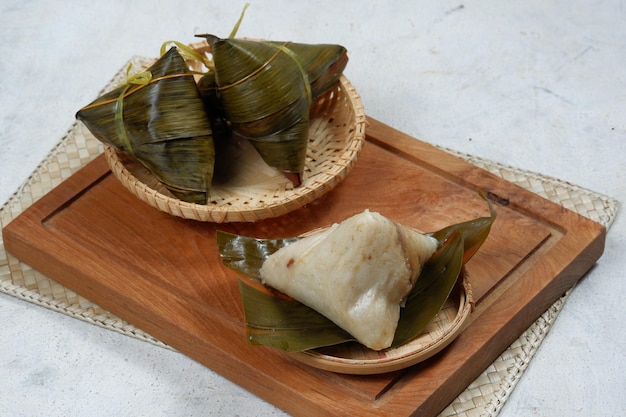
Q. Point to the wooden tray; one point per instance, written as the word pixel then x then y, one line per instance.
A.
pixel 163 274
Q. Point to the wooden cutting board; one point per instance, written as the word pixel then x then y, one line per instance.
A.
pixel 163 274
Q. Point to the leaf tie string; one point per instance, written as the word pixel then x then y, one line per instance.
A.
pixel 233 33
pixel 140 79
pixel 188 53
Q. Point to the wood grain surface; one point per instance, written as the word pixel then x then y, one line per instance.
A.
pixel 163 274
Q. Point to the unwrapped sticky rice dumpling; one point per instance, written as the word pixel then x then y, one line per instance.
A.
pixel 357 273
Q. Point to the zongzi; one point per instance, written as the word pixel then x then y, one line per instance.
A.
pixel 357 273
pixel 160 119
pixel 266 97
pixel 266 89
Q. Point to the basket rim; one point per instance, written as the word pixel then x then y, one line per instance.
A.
pixel 295 198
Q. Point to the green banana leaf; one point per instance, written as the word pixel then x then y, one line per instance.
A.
pixel 284 323
pixel 324 63
pixel 274 319
pixel 474 231
pixel 444 267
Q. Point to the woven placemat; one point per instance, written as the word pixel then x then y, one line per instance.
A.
pixel 483 397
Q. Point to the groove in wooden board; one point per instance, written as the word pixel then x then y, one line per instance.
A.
pixel 163 273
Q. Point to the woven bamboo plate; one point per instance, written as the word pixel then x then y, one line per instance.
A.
pixel 254 191
pixel 355 359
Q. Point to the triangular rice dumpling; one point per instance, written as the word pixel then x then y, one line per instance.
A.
pixel 357 273
pixel 163 123
pixel 266 97
pixel 266 89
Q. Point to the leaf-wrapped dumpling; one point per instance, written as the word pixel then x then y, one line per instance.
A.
pixel 357 273
pixel 163 123
pixel 266 90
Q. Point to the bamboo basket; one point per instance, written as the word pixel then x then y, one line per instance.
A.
pixel 256 191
